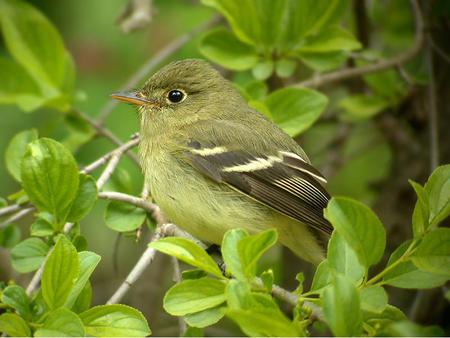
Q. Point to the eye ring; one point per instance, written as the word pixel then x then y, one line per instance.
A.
pixel 176 96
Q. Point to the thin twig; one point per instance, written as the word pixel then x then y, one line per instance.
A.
pixel 154 61
pixel 347 73
pixel 9 209
pixel 20 214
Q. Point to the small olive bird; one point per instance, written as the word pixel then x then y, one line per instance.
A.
pixel 213 163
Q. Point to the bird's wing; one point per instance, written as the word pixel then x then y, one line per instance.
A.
pixel 280 179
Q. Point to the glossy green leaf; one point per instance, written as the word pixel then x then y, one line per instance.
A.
pixel 331 39
pixel 41 228
pixel 322 62
pixel 406 275
pixel 342 258
pixel 341 307
pixel 222 47
pixel 9 236
pixel 195 295
pixel 230 253
pixel 114 321
pixel 88 263
pixel 14 326
pixel 206 317
pixel 84 299
pixel 16 149
pixel 373 298
pixel 360 107
pixel 28 255
pixel 433 253
pixel 322 276
pixel 360 228
pixel 84 200
pixel 421 213
pixel 406 328
pixel 61 323
pixel 16 297
pixel 50 177
pixel 123 217
pixel 251 248
pixel 438 188
pixel 188 252
pixel 263 69
pixel 60 273
pixel 295 109
pixel 256 89
pixel 285 67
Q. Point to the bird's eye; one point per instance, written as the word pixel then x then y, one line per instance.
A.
pixel 176 96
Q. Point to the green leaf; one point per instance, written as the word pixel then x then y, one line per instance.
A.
pixel 205 318
pixel 50 177
pixel 188 252
pixel 359 226
pixel 16 149
pixel 239 296
pixel 360 107
pixel 230 253
pixel 342 258
pixel 28 255
pixel 322 276
pixel 14 326
pixel 222 47
pixel 322 61
pixel 438 188
pixel 37 46
pixel 84 299
pixel 114 321
pixel 256 89
pixel 88 263
pixel 331 39
pixel 374 299
pixel 61 323
pixel 16 297
pixel 388 84
pixel 193 332
pixel 421 213
pixel 406 275
pixel 341 307
pixel 409 329
pixel 123 217
pixel 9 236
pixel 79 131
pixel 60 273
pixel 295 109
pixel 194 295
pixel 263 69
pixel 433 253
pixel 84 200
pixel 251 248
pixel 41 228
pixel 285 67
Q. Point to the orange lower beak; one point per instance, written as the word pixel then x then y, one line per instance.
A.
pixel 135 98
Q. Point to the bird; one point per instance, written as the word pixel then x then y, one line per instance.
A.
pixel 213 163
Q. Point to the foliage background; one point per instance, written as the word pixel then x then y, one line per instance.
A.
pixel 369 160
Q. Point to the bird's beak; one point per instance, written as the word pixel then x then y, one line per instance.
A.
pixel 135 98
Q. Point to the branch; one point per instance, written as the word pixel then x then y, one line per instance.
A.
pixel 397 60
pixel 136 15
pixel 151 63
pixel 17 216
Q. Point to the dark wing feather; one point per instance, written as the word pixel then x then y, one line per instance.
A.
pixel 281 181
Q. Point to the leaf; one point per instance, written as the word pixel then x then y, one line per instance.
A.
pixel 84 299
pixel 438 188
pixel 50 177
pixel 188 252
pixel 433 253
pixel 251 248
pixel 388 84
pixel 360 228
pixel 61 323
pixel 341 307
pixel 342 258
pixel 28 255
pixel 194 295
pixel 406 275
pixel 79 131
pixel 285 67
pixel 9 236
pixel 114 321
pixel 123 217
pixel 88 263
pixel 60 273
pixel 360 107
pixel 331 39
pixel 295 109
pixel 41 228
pixel 406 328
pixel 230 253
pixel 256 89
pixel 322 276
pixel 263 69
pixel 205 318
pixel 14 326
pixel 16 297
pixel 84 200
pixel 373 298
pixel 222 47
pixel 322 61
pixel 16 149
pixel 421 213
pixel 37 46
